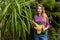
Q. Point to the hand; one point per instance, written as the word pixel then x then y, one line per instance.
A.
pixel 45 28
pixel 37 28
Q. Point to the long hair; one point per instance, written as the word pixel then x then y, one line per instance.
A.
pixel 43 14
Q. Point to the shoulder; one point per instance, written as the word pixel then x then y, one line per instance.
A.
pixel 45 15
pixel 35 15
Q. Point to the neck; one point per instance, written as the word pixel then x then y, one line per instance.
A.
pixel 39 14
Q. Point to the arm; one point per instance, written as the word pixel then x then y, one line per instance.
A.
pixel 34 18
pixel 47 24
pixel 34 24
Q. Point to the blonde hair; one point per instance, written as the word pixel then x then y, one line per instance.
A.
pixel 43 12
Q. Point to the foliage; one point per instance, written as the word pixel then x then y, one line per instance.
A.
pixel 14 19
pixel 16 15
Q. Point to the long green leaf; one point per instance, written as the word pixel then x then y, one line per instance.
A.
pixel 4 11
pixel 15 13
pixel 12 25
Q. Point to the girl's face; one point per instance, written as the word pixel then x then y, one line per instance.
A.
pixel 39 9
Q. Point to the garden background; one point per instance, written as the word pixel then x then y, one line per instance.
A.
pixel 16 16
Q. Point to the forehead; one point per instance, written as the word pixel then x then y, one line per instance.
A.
pixel 39 7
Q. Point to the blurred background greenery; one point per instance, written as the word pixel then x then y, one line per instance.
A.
pixel 16 16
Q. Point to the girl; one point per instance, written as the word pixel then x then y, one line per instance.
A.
pixel 41 17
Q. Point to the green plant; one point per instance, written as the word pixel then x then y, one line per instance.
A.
pixel 14 19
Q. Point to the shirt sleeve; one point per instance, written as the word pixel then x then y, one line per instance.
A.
pixel 34 20
pixel 47 22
